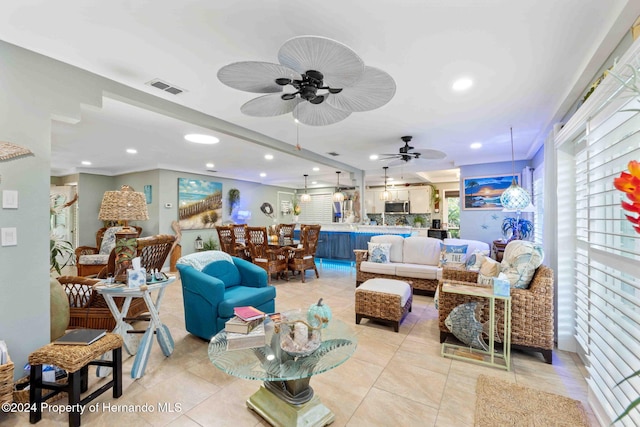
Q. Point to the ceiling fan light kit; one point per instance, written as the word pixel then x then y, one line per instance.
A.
pixel 329 82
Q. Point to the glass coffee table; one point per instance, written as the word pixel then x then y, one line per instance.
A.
pixel 286 398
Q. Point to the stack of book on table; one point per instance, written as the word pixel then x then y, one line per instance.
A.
pixel 245 329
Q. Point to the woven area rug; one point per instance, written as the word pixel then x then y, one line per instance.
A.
pixel 501 403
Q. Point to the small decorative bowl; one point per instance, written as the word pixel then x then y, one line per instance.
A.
pixel 297 340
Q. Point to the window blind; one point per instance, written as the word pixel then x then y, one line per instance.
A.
pixel 538 203
pixel 318 210
pixel 607 261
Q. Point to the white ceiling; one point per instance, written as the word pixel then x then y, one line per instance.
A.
pixel 529 60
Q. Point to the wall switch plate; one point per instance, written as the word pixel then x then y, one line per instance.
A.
pixel 9 199
pixel 9 236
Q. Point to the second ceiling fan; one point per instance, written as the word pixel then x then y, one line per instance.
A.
pixel 406 154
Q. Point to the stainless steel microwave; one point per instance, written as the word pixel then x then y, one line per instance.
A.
pixel 397 207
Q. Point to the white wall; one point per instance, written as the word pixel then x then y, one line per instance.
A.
pixel 29 98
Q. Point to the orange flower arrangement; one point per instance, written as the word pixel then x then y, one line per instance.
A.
pixel 630 184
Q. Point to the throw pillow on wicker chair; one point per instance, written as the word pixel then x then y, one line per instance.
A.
pixel 520 261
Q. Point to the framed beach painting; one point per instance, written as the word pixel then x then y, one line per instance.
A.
pixel 483 192
pixel 199 204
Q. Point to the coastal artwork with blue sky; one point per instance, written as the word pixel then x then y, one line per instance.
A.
pixel 484 192
pixel 199 203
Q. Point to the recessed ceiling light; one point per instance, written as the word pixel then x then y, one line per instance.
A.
pixel 210 165
pixel 86 162
pixel 389 179
pixel 262 175
pixel 132 150
pixel 316 169
pixel 476 145
pixel 201 139
pixel 268 156
pixel 314 182
pixel 462 84
pixel 373 157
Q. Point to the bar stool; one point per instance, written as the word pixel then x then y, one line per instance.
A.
pixel 75 359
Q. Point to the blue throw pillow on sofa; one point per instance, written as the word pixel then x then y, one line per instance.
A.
pixel 379 252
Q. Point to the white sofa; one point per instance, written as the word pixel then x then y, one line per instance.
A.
pixel 414 258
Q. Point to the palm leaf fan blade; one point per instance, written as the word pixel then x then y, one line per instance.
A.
pixel 269 105
pixel 255 76
pixel 318 114
pixel 375 89
pixel 339 64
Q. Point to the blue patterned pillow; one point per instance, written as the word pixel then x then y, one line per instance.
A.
pixel 452 256
pixel 379 252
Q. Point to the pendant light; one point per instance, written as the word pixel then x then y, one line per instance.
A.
pixel 385 195
pixel 515 197
pixel 338 196
pixel 305 197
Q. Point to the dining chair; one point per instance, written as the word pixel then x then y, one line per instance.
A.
pixel 227 239
pixel 272 258
pixel 286 231
pixel 302 258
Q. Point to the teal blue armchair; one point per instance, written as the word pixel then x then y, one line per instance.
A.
pixel 211 294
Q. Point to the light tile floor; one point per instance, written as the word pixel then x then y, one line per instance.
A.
pixel 393 379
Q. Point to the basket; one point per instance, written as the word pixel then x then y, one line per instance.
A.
pixel 6 382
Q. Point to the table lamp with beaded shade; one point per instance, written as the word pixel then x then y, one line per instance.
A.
pixel 124 205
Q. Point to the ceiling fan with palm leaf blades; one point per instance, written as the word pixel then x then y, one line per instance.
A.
pixel 328 81
pixel 405 153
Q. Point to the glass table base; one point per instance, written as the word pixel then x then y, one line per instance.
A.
pixel 278 413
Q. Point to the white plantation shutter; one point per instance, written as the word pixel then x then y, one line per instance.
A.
pixel 538 203
pixel 318 210
pixel 605 267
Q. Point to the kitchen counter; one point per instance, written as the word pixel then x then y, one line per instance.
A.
pixel 337 241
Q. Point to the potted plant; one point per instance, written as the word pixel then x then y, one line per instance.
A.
pixel 234 198
pixel 297 209
pixel 419 221
pixel 516 228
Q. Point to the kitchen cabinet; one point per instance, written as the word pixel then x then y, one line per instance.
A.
pixel 420 198
pixel 372 202
pixel 399 194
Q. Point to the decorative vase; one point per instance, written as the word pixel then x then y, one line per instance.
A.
pixel 59 309
pixel 296 218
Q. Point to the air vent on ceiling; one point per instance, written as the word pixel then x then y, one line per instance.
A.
pixel 211 170
pixel 162 85
pixel 333 153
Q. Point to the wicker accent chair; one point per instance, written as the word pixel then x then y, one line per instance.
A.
pixel 532 309
pixel 303 258
pixel 88 267
pixel 88 309
pixel 272 258
pixel 287 232
pixel 153 252
pixel 227 239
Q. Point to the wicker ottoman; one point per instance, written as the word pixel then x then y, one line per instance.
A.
pixel 384 300
pixel 75 359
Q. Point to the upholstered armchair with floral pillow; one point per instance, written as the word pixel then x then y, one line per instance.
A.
pixel 91 260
